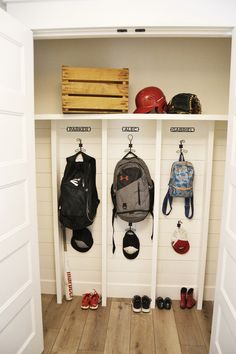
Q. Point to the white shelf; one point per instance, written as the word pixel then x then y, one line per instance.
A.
pixel 131 116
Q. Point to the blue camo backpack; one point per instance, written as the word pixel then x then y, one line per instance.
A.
pixel 180 186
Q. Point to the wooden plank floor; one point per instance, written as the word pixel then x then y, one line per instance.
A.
pixel 116 329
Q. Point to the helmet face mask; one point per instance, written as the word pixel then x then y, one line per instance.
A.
pixel 150 100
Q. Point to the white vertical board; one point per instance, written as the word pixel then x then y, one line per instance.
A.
pixel 175 270
pixel 86 267
pixel 217 191
pixel 156 210
pixel 223 338
pixel 44 206
pixel 205 215
pixel 57 235
pixel 104 212
pixel 125 277
pixel 20 302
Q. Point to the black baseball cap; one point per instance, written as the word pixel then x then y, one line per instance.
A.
pixel 131 245
pixel 82 240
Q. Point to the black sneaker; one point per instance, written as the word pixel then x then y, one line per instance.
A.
pixel 136 303
pixel 146 301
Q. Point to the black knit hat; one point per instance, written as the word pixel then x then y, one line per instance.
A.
pixel 82 240
pixel 131 245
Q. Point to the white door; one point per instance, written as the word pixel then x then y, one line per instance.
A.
pixel 20 303
pixel 223 339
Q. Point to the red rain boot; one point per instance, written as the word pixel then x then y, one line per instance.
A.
pixel 190 300
pixel 183 300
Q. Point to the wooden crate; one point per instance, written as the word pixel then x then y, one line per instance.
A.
pixel 94 90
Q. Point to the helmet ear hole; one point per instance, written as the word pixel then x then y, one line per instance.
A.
pixel 150 100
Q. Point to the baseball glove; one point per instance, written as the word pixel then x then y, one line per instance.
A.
pixel 184 103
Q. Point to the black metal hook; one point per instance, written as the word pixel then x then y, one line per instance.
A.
pixel 130 138
pixel 80 144
pixel 179 223
pixel 181 146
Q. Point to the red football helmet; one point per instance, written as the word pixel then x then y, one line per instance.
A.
pixel 149 99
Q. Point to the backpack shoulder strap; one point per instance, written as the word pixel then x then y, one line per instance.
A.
pixel 113 197
pixel 167 200
pixel 188 207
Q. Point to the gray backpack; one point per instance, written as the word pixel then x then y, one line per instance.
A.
pixel 132 191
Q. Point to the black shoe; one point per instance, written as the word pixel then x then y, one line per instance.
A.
pixel 160 302
pixel 146 301
pixel 136 303
pixel 167 303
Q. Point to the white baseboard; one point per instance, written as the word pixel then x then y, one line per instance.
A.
pixel 48 286
pixel 209 293
pixel 126 290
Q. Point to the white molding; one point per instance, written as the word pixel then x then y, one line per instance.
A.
pixel 205 214
pixel 104 212
pixel 112 32
pixel 48 286
pixel 164 117
pixel 118 290
pixel 156 209
pixel 56 234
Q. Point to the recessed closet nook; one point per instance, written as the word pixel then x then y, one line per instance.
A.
pixel 194 65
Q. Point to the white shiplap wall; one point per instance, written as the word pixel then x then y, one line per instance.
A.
pixel 44 201
pixel 85 267
pixel 124 276
pixel 130 276
pixel 168 63
pixel 216 204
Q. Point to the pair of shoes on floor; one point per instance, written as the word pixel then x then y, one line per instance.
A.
pixel 141 303
pixel 91 300
pixel 163 303
pixel 186 298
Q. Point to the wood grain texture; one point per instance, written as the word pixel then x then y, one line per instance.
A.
pixel 70 334
pixel 54 314
pixel 94 89
pixel 95 329
pixel 193 349
pixel 89 352
pixel 118 332
pixel 101 89
pixel 94 74
pixel 204 319
pixel 141 334
pixel 79 103
pixel 187 325
pixel 49 337
pixel 165 331
pixel 115 329
pixel 46 299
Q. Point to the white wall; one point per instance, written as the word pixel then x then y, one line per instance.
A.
pixel 3 6
pixel 44 204
pixel 176 65
pixel 105 13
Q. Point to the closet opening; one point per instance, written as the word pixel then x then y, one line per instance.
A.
pixel 194 65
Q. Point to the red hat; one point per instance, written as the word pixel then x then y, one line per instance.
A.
pixel 179 241
pixel 181 246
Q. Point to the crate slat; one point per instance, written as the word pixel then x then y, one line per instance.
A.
pixel 95 74
pixel 94 90
pixel 90 102
pixel 91 88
